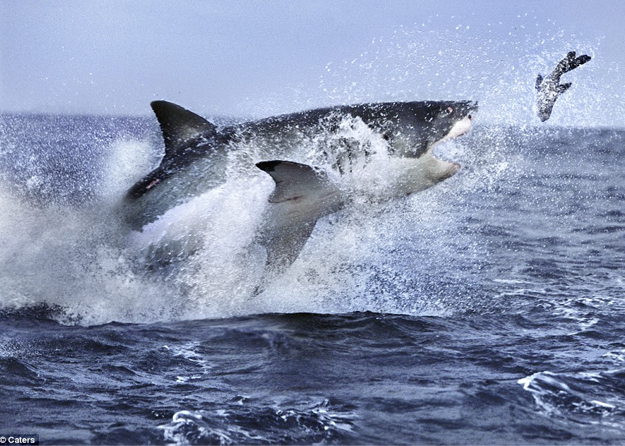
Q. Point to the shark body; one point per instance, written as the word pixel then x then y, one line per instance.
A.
pixel 197 155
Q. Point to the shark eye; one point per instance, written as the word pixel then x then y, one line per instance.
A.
pixel 450 110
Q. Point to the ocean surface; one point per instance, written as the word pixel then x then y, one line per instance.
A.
pixel 487 310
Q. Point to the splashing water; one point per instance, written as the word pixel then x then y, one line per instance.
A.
pixel 398 257
pixel 79 257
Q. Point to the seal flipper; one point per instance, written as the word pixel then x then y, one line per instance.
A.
pixel 539 80
pixel 565 65
pixel 563 87
pixel 301 196
pixel 570 62
pixel 581 60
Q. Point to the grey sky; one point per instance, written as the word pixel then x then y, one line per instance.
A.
pixel 256 58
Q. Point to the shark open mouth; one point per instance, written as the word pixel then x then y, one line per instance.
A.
pixel 448 169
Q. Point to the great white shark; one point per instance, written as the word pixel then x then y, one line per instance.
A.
pixel 197 154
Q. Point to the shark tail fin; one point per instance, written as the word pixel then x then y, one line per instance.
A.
pixel 180 126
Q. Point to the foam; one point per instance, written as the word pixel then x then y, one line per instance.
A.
pixel 83 260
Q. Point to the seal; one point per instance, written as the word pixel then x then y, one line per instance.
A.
pixel 550 88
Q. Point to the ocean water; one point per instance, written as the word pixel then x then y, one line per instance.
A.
pixel 487 310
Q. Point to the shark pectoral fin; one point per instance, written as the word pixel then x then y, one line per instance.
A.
pixel 282 250
pixel 286 247
pixel 301 196
pixel 179 126
pixel 294 181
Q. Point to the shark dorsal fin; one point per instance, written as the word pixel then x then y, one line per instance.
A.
pixel 179 126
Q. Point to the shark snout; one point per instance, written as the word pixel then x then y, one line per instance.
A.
pixel 461 127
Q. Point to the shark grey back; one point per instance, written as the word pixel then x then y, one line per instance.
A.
pixel 196 152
